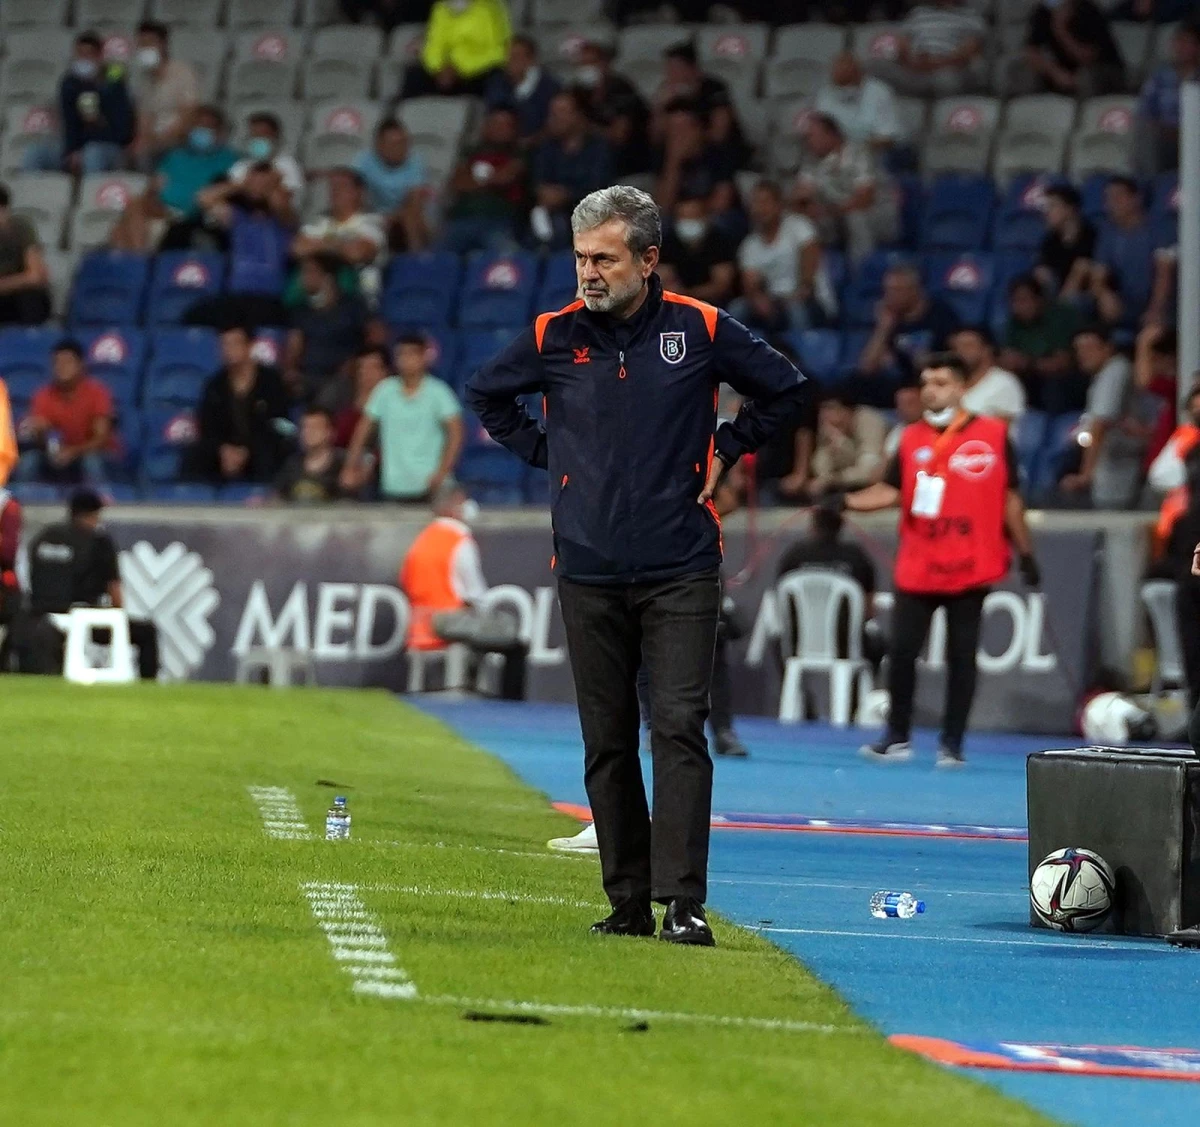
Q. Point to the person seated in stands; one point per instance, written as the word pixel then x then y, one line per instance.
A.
pixel 842 189
pixel 465 42
pixel 908 411
pixel 570 163
pixel 1122 274
pixel 1156 128
pixel 397 184
pixel 1037 347
pixel 525 87
pixel 243 429
pixel 697 259
pixel 849 450
pixel 264 144
pixel 96 116
pixel 419 424
pixel 684 83
pixel 863 107
pixel 1070 50
pixel 941 52
pixel 992 391
pixel 1064 260
pixel 67 436
pixel 349 232
pixel 687 163
pixel 488 189
pixel 614 106
pixel 312 475
pixel 166 92
pixel 24 276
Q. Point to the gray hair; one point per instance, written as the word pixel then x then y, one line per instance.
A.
pixel 635 208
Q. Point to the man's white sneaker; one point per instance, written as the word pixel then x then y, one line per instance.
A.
pixel 950 758
pixel 887 751
pixel 582 842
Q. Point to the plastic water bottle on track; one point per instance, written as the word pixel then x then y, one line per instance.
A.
pixel 337 821
pixel 896 905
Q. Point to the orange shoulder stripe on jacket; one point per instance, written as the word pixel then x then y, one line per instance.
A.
pixel 543 319
pixel 709 311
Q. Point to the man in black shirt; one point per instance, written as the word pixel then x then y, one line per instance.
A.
pixel 74 563
pixel 328 330
pixel 1067 246
pixel 310 476
pixel 613 103
pixel 697 259
pixel 1071 50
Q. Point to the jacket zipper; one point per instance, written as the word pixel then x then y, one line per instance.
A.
pixel 621 371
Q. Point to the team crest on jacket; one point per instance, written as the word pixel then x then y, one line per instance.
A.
pixel 672 346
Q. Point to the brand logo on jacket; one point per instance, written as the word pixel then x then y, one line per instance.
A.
pixel 672 347
pixel 973 460
pixel 581 355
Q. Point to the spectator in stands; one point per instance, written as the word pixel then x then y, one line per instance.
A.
pixel 909 323
pixel 849 451
pixel 1070 50
pixel 353 235
pixel 312 475
pixel 1037 347
pixel 1064 260
pixel 941 52
pixel 569 164
pixel 264 142
pixel 95 113
pixel 689 164
pixel 1114 421
pixel 1156 135
pixel 371 367
pixel 863 107
pixel 615 107
pixel 24 277
pixel 68 434
pixel 908 411
pixel 397 185
pixel 697 259
pixel 844 192
pixel 165 91
pixel 1122 275
pixel 488 189
pixel 783 281
pixel 465 42
pixel 992 391
pixel 523 85
pixel 328 330
pixel 685 83
pixel 243 429
pixel 419 423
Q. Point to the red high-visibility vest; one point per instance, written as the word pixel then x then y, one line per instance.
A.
pixel 426 578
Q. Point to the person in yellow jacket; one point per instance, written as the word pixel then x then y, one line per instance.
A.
pixel 465 41
pixel 8 436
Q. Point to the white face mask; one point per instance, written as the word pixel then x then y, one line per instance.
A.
pixel 942 418
pixel 468 511
pixel 458 6
pixel 588 76
pixel 148 57
pixel 690 230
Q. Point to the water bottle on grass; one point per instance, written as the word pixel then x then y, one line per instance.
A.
pixel 895 905
pixel 337 821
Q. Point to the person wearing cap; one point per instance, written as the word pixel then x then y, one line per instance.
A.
pixel 74 563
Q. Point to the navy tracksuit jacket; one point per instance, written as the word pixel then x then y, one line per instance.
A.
pixel 631 408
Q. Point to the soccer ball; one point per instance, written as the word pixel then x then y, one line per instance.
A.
pixel 1111 718
pixel 1072 890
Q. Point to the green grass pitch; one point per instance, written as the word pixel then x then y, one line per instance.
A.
pixel 161 964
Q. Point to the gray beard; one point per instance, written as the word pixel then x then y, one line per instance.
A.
pixel 606 303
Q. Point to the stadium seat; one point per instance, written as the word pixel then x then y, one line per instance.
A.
pixel 476 349
pixel 1160 47
pixel 853 343
pixel 167 435
pixel 37 492
pixel 117 356
pixel 559 44
pixel 1034 136
pixel 181 360
pixel 964 282
pixel 1133 41
pixel 108 13
pixel 269 347
pixel 108 289
pixel 20 14
pixel 733 52
pixel 178 14
pixel 960 135
pixel 436 127
pixel 789 118
pixel 181 493
pixel 341 62
pixel 419 289
pixel 1021 216
pixel 1009 264
pixel 264 64
pixel 911 190
pixel 876 42
pixel 405 43
pixel 492 475
pixel 243 492
pixel 61 266
pixel 102 198
pixel 913 115
pixel 120 493
pixel 819 352
pixel 566 11
pixel 340 129
pixel 812 43
pixel 498 291
pixel 1028 435
pixel 443 353
pixel 866 285
pixel 33 64
pixel 44 198
pixel 319 13
pixel 25 360
pixel 1103 141
pixel 25 125
pixel 559 283
pixel 1092 193
pixel 957 213
pixel 179 279
pixel 260 13
pixel 645 43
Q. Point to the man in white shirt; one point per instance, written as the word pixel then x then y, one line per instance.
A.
pixel 348 231
pixel 783 279
pixel 263 143
pixel 940 52
pixel 992 391
pixel 865 108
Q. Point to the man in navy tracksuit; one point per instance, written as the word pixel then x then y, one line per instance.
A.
pixel 630 377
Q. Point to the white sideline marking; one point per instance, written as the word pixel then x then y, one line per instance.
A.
pixel 474 894
pixel 280 812
pixel 863 887
pixel 1061 945
pixel 548 855
pixel 355 942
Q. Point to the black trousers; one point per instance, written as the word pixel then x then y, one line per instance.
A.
pixel 911 616
pixel 610 630
pixel 720 712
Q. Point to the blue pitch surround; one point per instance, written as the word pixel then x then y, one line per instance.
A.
pixel 970 969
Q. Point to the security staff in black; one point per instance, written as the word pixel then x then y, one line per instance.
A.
pixel 74 563
pixel 629 376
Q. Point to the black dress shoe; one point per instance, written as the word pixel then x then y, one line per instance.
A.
pixel 631 918
pixel 685 923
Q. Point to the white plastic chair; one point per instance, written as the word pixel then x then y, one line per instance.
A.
pixel 1158 597
pixel 810 605
pixel 81 663
pixel 452 659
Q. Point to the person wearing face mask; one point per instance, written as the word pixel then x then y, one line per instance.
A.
pixel 614 106
pixel 166 92
pixel 697 259
pixel 264 140
pixel 96 114
pixel 955 480
pixel 864 107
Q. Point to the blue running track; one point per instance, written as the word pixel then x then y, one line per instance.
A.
pixel 970 969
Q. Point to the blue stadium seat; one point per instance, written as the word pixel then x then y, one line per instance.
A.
pixel 25 360
pixel 492 475
pixel 270 346
pixel 865 286
pixel 181 278
pixel 964 282
pixel 819 352
pixel 1093 195
pixel 958 213
pixel 1029 436
pixel 1010 264
pixel 167 435
pixel 912 206
pixel 1057 448
pixel 1164 208
pixel 837 268
pixel 475 349
pixel 243 492
pixel 419 289
pixel 181 361
pixel 853 343
pixel 559 285
pixel 108 289
pixel 182 493
pixel 443 353
pixel 1020 217
pixel 121 493
pixel 498 291
pixel 117 356
pixel 36 492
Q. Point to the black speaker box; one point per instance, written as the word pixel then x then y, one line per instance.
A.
pixel 1140 810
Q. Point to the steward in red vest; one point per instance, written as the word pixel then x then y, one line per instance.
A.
pixel 955 480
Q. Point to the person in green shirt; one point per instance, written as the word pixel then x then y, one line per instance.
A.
pixel 419 423
pixel 1037 347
